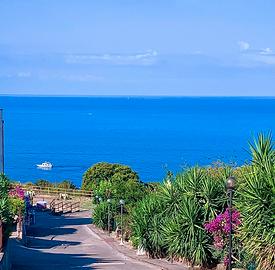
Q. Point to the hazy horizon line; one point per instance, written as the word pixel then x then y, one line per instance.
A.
pixel 135 96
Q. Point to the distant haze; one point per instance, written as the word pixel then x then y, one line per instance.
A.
pixel 181 48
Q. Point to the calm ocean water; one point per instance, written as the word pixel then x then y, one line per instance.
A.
pixel 151 135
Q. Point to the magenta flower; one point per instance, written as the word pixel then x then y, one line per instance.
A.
pixel 226 260
pixel 17 192
pixel 220 228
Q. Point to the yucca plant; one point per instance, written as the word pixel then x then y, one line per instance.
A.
pixel 147 223
pixel 256 203
pixel 263 154
pixel 185 237
pixel 168 195
pixel 100 215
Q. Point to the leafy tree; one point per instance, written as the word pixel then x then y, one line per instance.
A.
pixel 66 184
pixel 43 183
pixel 106 172
pixel 115 182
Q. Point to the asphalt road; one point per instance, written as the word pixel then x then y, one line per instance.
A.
pixel 65 242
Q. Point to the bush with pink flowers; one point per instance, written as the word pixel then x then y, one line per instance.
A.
pixel 219 229
pixel 17 192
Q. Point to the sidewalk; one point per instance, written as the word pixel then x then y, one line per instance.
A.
pixel 129 252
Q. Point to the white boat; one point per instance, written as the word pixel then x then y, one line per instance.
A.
pixel 45 165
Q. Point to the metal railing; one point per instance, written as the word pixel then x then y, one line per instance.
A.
pixel 64 206
pixel 57 191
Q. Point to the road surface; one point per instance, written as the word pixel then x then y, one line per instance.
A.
pixel 65 242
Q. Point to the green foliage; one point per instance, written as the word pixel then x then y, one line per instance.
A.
pixel 263 154
pixel 256 202
pixel 66 184
pixel 170 221
pixel 107 172
pixel 5 214
pixel 167 219
pixel 185 236
pixel 118 182
pixel 16 206
pixel 4 186
pixel 43 183
pixel 100 215
pixel 147 221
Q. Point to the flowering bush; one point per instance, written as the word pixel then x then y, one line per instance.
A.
pixel 17 201
pixel 219 228
pixel 17 192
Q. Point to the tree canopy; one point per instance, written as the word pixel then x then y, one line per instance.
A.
pixel 110 172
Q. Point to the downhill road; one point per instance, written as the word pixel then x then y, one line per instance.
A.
pixel 66 242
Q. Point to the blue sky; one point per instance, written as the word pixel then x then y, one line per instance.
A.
pixel 142 47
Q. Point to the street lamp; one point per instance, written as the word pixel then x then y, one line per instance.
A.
pixel 230 184
pixel 109 225
pixel 121 202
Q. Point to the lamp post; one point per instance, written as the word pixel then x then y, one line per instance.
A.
pixel 230 184
pixel 121 202
pixel 109 225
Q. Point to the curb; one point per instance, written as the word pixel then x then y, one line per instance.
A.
pixel 113 245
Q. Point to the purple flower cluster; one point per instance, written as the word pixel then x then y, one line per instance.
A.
pixel 220 228
pixel 221 224
pixel 17 192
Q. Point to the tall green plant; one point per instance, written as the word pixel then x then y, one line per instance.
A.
pixel 185 237
pixel 256 201
pixel 170 221
pixel 4 185
pixel 147 221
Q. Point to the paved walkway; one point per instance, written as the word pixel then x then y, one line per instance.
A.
pixel 129 252
pixel 66 242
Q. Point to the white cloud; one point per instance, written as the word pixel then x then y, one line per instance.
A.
pixel 244 46
pixel 255 57
pixel 266 51
pixel 146 58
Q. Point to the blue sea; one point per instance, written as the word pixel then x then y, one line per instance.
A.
pixel 150 134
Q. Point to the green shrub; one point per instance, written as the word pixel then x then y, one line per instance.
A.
pixel 115 182
pixel 4 186
pixel 5 214
pixel 66 184
pixel 106 172
pixel 100 215
pixel 147 221
pixel 43 183
pixel 170 221
pixel 256 203
pixel 16 206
